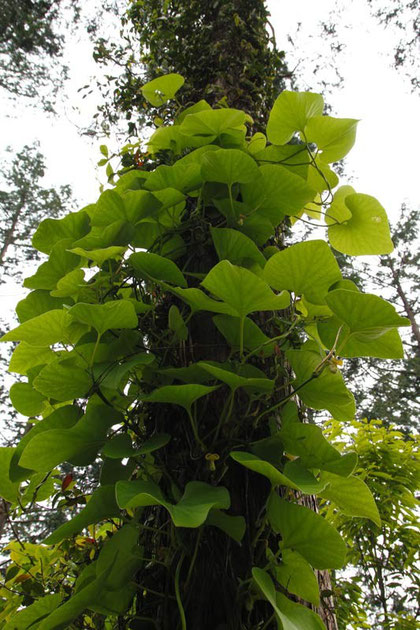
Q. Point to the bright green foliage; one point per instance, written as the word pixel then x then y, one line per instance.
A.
pixel 380 587
pixel 167 367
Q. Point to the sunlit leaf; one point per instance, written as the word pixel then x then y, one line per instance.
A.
pixel 162 89
pixel 308 268
pixel 290 113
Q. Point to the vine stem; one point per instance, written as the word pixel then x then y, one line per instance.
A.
pixel 178 594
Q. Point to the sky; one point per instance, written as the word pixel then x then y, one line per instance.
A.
pixel 383 163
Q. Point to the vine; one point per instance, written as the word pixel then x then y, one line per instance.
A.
pixel 168 364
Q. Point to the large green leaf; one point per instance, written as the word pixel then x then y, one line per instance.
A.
pixel 128 207
pixel 108 316
pixel 25 357
pixel 229 166
pixel 367 316
pixel 26 400
pixel 276 193
pixel 155 267
pixel 60 263
pixel 210 124
pixel 358 224
pixel 190 511
pixel 45 330
pixel 71 285
pixel 296 575
pixel 31 616
pixel 333 136
pixel 351 495
pixel 73 226
pixel 36 303
pixel 62 418
pixel 326 391
pixel 234 246
pixel 183 176
pixel 101 505
pixel 253 335
pixel 387 346
pixel 291 616
pixel 162 89
pixel 233 380
pixel 291 112
pixel 308 484
pixel 306 532
pixel 183 395
pixel 308 268
pixel 51 443
pixel 308 443
pixel 243 290
pixel 197 300
pixel 62 380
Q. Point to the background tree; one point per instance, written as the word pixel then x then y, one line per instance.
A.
pixel 384 591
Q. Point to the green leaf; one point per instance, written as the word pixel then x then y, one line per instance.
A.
pixel 183 395
pixel 308 443
pixel 60 263
pixel 234 246
pixel 234 381
pixel 358 224
pixel 181 176
pixel 333 136
pixel 101 505
pixel 243 290
pixel 296 616
pixel 157 268
pixel 233 526
pixel 58 439
pixel 62 380
pixel 99 256
pixel 190 511
pixel 367 316
pixel 177 324
pixel 73 226
pixel 308 484
pixel 308 268
pixel 70 285
pixel 352 496
pixel 276 193
pixel 254 337
pixel 26 400
pixel 161 90
pixel 291 616
pixel 198 301
pixel 44 330
pixel 102 317
pixel 290 113
pixel 210 124
pixel 228 166
pixel 34 613
pixel 130 207
pixel 25 357
pixel 306 532
pixel 8 489
pixel 36 303
pixel 326 391
pixel 296 575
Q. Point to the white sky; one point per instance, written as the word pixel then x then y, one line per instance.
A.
pixel 383 163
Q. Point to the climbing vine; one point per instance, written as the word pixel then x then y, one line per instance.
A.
pixel 172 337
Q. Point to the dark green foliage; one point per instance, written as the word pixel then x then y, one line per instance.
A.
pixel 222 48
